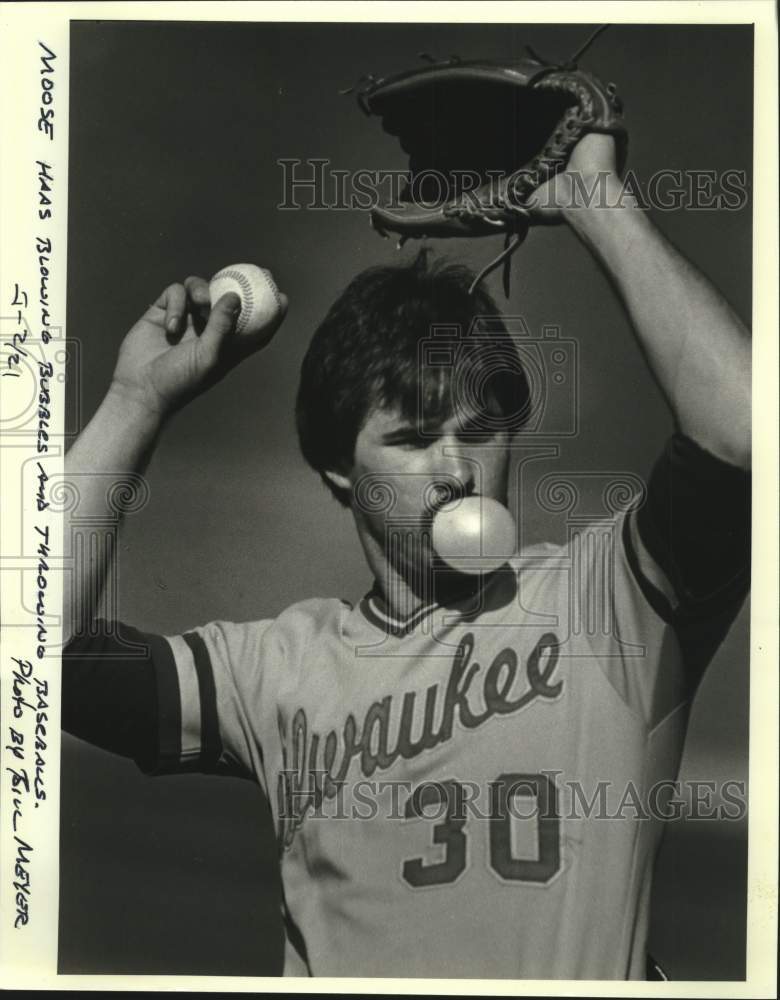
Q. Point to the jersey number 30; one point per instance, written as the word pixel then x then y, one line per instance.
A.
pixel 450 831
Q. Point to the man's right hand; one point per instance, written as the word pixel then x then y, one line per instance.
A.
pixel 181 346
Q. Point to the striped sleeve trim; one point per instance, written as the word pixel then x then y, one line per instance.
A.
pixel 185 741
pixel 168 705
pixel 210 742
pixel 189 729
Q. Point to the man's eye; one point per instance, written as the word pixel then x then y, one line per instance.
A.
pixel 477 435
pixel 414 440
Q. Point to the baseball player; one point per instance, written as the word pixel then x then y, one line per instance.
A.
pixel 451 762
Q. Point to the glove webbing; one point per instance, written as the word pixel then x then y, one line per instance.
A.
pixel 513 240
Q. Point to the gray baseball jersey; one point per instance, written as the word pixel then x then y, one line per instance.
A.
pixel 476 791
pixel 450 793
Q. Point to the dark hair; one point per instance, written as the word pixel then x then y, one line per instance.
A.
pixel 367 354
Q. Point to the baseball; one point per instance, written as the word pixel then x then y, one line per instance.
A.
pixel 260 302
pixel 475 535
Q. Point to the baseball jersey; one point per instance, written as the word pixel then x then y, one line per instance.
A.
pixel 469 792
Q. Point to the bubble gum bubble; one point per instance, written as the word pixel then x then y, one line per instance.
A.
pixel 474 535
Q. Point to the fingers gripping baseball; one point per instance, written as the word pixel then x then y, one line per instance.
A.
pixel 244 309
pixel 262 304
pixel 183 344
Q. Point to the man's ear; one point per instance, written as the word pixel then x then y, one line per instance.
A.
pixel 339 479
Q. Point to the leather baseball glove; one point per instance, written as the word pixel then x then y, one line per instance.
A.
pixel 481 138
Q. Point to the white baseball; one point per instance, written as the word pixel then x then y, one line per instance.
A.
pixel 260 302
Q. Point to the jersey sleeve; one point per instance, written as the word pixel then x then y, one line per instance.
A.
pixel 188 702
pixel 211 689
pixel 689 546
pixel 681 571
pixel 109 694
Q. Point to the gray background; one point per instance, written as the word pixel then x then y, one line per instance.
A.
pixel 175 131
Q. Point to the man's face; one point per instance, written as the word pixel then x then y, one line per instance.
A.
pixel 403 472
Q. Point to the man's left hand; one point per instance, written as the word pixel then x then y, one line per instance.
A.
pixel 591 171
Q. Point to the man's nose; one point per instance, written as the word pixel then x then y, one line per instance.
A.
pixel 459 472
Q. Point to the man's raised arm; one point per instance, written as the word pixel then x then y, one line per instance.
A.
pixel 178 348
pixel 696 346
pixel 695 523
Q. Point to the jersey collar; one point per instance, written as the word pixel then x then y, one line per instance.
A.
pixel 371 607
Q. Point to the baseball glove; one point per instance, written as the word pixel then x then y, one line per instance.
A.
pixel 483 136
